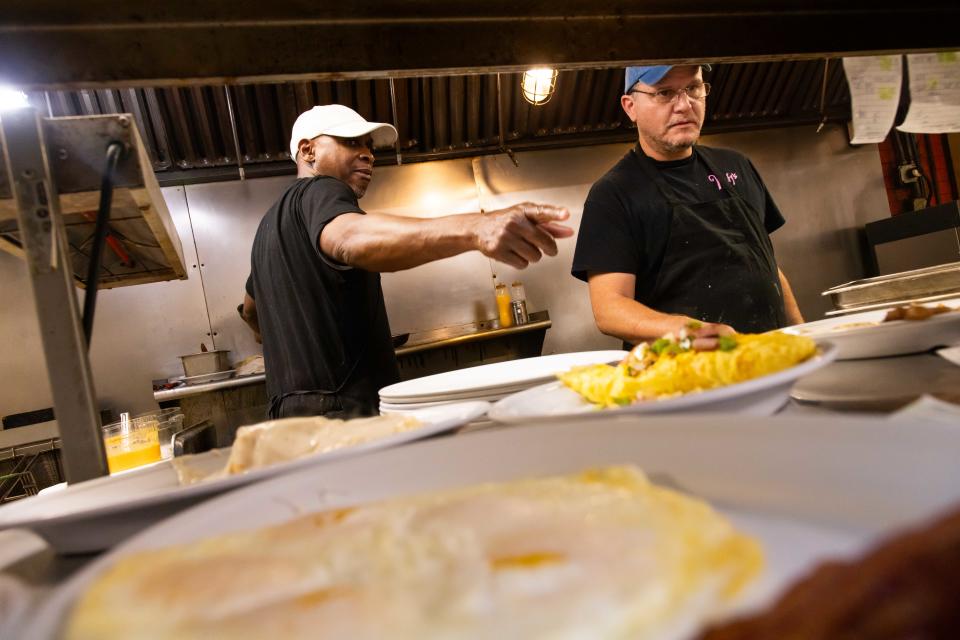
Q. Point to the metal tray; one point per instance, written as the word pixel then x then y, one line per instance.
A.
pixel 927 284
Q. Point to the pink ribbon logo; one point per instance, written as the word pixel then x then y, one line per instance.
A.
pixel 714 179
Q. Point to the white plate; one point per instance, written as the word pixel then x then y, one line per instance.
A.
pixel 446 398
pixel 761 396
pixel 407 406
pixel 512 375
pixel 95 515
pixel 808 488
pixel 60 486
pixel 886 338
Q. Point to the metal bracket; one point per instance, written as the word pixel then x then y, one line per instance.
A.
pixel 51 279
pixel 396 121
pixel 233 127
pixel 908 173
pixel 500 128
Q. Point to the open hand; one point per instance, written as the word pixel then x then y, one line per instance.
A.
pixel 521 234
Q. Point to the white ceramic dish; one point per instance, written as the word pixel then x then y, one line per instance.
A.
pixel 878 339
pixel 761 397
pixel 95 515
pixel 483 394
pixel 60 486
pixel 408 406
pixel 499 377
pixel 806 487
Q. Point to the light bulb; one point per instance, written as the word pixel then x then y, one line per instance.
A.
pixel 11 99
pixel 538 85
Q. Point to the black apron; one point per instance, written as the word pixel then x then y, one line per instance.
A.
pixel 719 264
pixel 358 395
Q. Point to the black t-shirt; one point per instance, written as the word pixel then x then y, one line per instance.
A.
pixel 626 221
pixel 324 325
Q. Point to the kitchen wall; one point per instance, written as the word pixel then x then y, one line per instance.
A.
pixel 826 189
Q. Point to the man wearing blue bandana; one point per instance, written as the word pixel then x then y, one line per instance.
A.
pixel 678 232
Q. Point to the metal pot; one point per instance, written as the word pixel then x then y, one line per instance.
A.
pixel 198 364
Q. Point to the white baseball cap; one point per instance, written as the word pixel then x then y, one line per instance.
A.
pixel 340 121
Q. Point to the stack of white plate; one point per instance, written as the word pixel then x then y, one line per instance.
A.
pixel 489 382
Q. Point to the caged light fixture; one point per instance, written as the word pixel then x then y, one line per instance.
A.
pixel 538 85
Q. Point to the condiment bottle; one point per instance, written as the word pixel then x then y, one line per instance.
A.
pixel 518 303
pixel 504 313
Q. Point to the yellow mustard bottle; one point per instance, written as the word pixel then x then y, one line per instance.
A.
pixel 504 313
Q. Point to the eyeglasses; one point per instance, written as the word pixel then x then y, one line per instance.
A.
pixel 668 96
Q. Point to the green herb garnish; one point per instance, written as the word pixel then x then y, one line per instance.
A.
pixel 660 345
pixel 726 343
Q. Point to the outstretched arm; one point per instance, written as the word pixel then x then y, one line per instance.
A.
pixel 518 236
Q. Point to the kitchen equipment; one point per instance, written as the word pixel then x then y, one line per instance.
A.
pixel 919 285
pixel 195 439
pixel 206 362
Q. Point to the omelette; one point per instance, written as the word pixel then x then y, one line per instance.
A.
pixel 671 367
pixel 599 554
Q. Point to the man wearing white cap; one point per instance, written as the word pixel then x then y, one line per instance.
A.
pixel 314 291
pixel 678 232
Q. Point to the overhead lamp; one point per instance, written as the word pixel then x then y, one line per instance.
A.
pixel 11 99
pixel 538 85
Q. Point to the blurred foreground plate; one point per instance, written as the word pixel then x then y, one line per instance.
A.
pixel 807 488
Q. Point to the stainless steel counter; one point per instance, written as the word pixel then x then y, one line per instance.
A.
pixel 194 389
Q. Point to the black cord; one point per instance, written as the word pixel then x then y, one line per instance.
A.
pixel 932 185
pixel 115 151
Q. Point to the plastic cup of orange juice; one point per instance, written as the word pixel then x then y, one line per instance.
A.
pixel 131 444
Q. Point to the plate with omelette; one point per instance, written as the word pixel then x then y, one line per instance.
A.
pixel 731 373
pixel 581 529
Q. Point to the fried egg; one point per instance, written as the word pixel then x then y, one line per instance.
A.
pixel 673 374
pixel 600 554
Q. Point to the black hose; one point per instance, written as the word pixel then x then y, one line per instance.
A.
pixel 115 151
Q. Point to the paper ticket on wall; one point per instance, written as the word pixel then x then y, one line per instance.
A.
pixel 875 83
pixel 934 93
